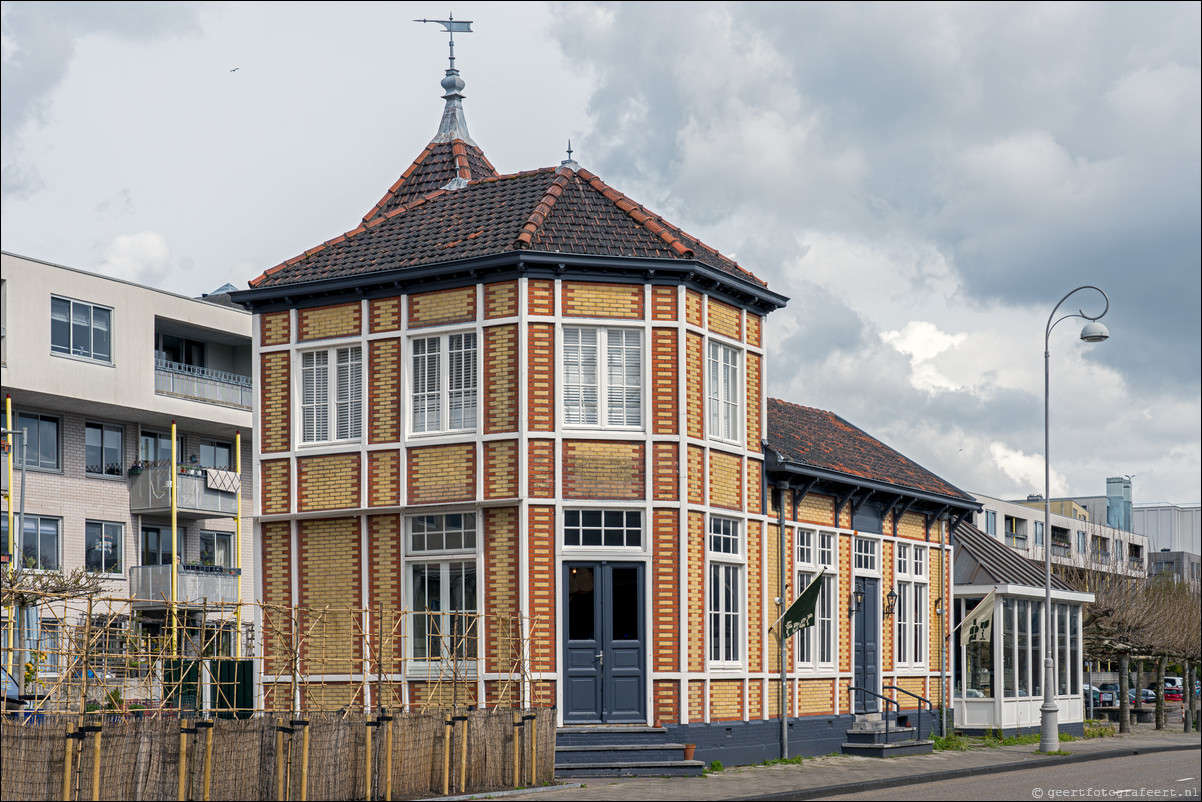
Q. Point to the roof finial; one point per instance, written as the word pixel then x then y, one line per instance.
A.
pixel 453 125
pixel 569 162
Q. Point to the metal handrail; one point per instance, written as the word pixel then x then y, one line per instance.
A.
pixel 886 699
pixel 930 706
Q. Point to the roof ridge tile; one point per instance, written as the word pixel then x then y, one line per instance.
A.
pixel 541 211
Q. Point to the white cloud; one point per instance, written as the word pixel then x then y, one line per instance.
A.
pixel 143 258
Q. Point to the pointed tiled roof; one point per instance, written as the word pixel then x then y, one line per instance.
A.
pixel 436 166
pixel 995 563
pixel 823 440
pixel 554 210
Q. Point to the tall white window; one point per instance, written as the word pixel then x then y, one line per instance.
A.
pixel 603 377
pixel 332 410
pixel 815 645
pixel 724 391
pixel 81 329
pixel 910 615
pixel 444 382
pixel 866 554
pixel 441 568
pixel 725 590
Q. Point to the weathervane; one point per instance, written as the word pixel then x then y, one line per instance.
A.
pixel 451 26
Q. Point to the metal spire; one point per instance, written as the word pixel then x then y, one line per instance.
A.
pixel 569 162
pixel 453 125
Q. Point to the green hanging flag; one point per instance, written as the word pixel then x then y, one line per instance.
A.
pixel 801 612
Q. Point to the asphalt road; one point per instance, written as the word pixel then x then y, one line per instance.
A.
pixel 1159 776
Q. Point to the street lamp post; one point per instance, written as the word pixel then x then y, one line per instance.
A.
pixel 1093 332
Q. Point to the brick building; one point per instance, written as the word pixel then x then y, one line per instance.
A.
pixel 528 395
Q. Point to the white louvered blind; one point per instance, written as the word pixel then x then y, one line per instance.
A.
pixel 349 398
pixel 724 392
pixel 315 397
pixel 461 381
pixel 624 388
pixel 580 387
pixel 426 385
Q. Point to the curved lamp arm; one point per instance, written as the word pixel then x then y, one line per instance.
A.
pixel 1079 313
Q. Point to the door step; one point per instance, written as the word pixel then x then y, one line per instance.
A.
pixel 620 751
pixel 896 749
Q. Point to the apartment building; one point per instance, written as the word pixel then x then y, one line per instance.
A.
pixel 98 374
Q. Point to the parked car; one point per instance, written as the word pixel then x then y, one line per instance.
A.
pixel 1148 697
pixel 1100 698
pixel 1172 694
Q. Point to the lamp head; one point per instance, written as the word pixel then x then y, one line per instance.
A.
pixel 1094 332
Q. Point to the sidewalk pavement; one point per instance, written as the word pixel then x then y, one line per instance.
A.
pixel 842 774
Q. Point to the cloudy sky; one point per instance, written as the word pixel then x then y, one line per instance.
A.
pixel 924 181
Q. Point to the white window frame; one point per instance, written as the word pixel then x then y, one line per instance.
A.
pixel 911 627
pixel 331 411
pixel 19 542
pixel 33 447
pixel 597 393
pixel 116 469
pixel 867 554
pixel 725 391
pixel 217 537
pixel 422 552
pixel 80 350
pixel 108 529
pixel 603 527
pixel 444 383
pixel 726 592
pixel 817 552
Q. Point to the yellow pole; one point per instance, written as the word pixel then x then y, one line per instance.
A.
pixel 208 759
pixel 279 758
pixel 304 789
pixel 174 542
pixel 238 545
pixel 367 762
pixel 96 765
pixel 10 631
pixel 67 764
pixel 183 759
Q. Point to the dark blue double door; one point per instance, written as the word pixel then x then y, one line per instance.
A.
pixel 867 672
pixel 604 643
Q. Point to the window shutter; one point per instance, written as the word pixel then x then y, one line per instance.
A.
pixel 461 381
pixel 315 395
pixel 580 387
pixel 426 385
pixel 349 393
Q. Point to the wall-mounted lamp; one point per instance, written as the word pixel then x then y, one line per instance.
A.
pixel 890 602
pixel 857 600
pixel 939 606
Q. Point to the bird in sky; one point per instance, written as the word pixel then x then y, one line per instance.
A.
pixel 235 69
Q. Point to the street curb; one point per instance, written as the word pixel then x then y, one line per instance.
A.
pixel 956 774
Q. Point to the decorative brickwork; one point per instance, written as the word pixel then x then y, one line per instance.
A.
pixel 664 303
pixel 693 302
pixel 442 307
pixel 815 696
pixel 771 588
pixel 755 485
pixel 695 385
pixel 603 470
pixel 442 474
pixel 384 314
pixel 696 700
pixel 665 595
pixel 887 581
pixel 726 481
pixel 540 297
pixel 275 328
pixel 755 326
pixel 817 509
pixel 665 382
pixel 666 466
pixel 277 588
pixel 724 319
pixel 540 377
pixel 500 379
pixel 696 601
pixel 844 652
pixel 502 588
pixel 276 494
pixel 441 695
pixel 330 587
pixel 500 300
pixel 582 299
pixel 755 401
pixel 383 478
pixel 329 482
pixel 384 587
pixel 324 322
pixel 913 526
pixel 331 696
pixel 274 402
pixel 696 475
pixel 667 701
pixel 543 582
pixel 726 700
pixel 540 463
pixel 756 596
pixel 501 469
pixel 384 387
pixel 755 697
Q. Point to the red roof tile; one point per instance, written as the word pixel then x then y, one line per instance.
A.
pixel 823 440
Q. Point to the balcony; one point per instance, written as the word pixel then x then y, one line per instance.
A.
pixel 198 493
pixel 1061 550
pixel 202 384
pixel 1135 563
pixel 1102 557
pixel 150 585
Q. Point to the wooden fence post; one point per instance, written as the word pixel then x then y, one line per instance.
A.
pixel 96 765
pixel 367 762
pixel 388 759
pixel 207 726
pixel 533 746
pixel 446 757
pixel 183 760
pixel 304 790
pixel 279 758
pixel 463 755
pixel 70 752
pixel 517 749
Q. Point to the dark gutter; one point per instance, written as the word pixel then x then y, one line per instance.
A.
pixel 776 465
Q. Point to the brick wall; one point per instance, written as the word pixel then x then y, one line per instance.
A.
pixel 754 330
pixel 815 696
pixel 724 319
pixel 501 469
pixel 696 700
pixel 274 402
pixel 442 307
pixel 383 478
pixel 726 700
pixel 442 474
pixel 540 297
pixel 693 302
pixel 603 470
pixel 502 588
pixel 275 328
pixel 500 300
pixel 755 402
pixel 586 299
pixel 665 591
pixel 664 304
pixel 384 596
pixel 665 382
pixel 756 596
pixel 329 587
pixel 276 569
pixel 540 377
pixel 327 482
pixel 324 322
pixel 540 463
pixel 694 386
pixel 276 486
pixel 384 314
pixel 541 553
pixel 696 596
pixel 726 481
pixel 500 381
pixel 666 466
pixel 667 701
pixel 696 475
pixel 383 394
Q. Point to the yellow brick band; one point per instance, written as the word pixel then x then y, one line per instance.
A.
pixel 384 314
pixel 724 319
pixel 501 469
pixel 275 328
pixel 726 481
pixel 327 483
pixel 582 299
pixel 442 307
pixel 324 322
pixel 603 470
pixel 442 474
pixel 501 379
pixel 274 402
pixel 500 300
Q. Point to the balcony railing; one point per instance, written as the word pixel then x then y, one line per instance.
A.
pixel 202 384
pixel 1059 550
pixel 195 490
pixel 1135 563
pixel 1101 556
pixel 195 584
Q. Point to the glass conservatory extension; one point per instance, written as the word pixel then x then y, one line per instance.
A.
pixel 998 677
